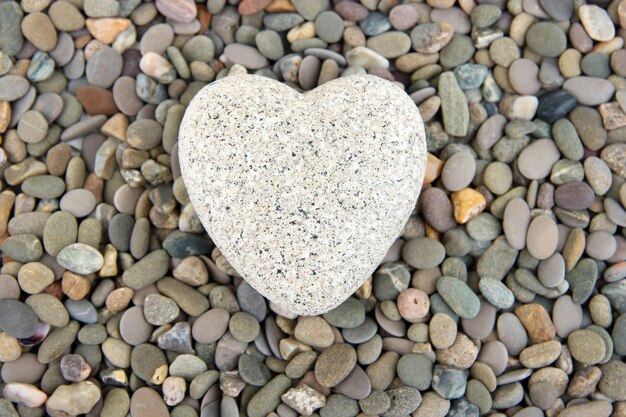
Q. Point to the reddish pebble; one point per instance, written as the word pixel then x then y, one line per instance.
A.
pixel 248 7
pixel 403 17
pixel 183 11
pixel 413 304
pixel 350 10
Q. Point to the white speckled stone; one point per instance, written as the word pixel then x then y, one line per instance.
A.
pixel 303 194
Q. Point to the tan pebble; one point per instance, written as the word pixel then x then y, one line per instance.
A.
pixel 280 6
pixel 314 331
pixel 569 63
pixel 95 184
pixel 287 325
pixel 537 322
pixel 600 309
pixel 33 277
pixel 413 304
pixel 461 354
pixel 173 390
pixel 365 290
pixel 106 29
pixel 483 372
pixel 7 199
pixel 584 382
pixel 75 399
pixel 290 347
pixel 586 346
pixel 429 108
pixel 66 17
pixel 75 286
pixel 109 267
pixel 501 75
pixel 38 29
pixel 519 107
pixel 10 349
pixel 442 331
pixel 415 60
pixel 621 13
pixel 597 22
pixel 574 248
pixel 5 115
pixel 609 47
pixel 118 299
pixel 116 126
pixel 26 394
pixel 303 31
pixel 441 4
pixel 540 355
pixel 613 117
pixel 482 57
pixel 434 166
pixel 519 27
pixel 192 271
pixel 353 36
pixel 57 159
pixel 468 203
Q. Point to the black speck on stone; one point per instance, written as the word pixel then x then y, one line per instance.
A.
pixel 555 105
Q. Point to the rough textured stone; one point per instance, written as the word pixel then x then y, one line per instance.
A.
pixel 320 210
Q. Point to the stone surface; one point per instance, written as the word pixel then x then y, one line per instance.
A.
pixel 324 206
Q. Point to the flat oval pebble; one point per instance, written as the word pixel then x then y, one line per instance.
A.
pixel 542 237
pixel 17 319
pixel 458 296
pixel 80 258
pixel 458 171
pixel 536 161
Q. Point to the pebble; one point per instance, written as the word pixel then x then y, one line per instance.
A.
pixel 586 346
pixel 423 253
pixel 268 397
pixel 147 271
pixel 335 364
pixel 38 29
pixel 546 39
pixel 542 237
pixel 536 321
pixel 458 296
pixel 597 22
pixel 146 401
pixel 80 258
pixel 589 91
pixel 448 382
pixel 453 105
pixel 74 399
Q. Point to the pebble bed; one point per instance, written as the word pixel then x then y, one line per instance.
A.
pixel 505 295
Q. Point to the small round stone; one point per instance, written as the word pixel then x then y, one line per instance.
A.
pixel 586 346
pixel 244 327
pixel 335 364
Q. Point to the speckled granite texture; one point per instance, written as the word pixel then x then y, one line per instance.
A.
pixel 303 194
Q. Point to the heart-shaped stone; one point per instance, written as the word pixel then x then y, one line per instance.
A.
pixel 303 193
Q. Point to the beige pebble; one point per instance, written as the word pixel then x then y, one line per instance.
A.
pixel 10 349
pixel 26 394
pixel 569 63
pixel 75 286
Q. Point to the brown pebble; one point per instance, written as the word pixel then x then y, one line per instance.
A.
pixel 38 28
pixel 96 100
pixel 537 322
pixel 75 286
pixel 118 299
